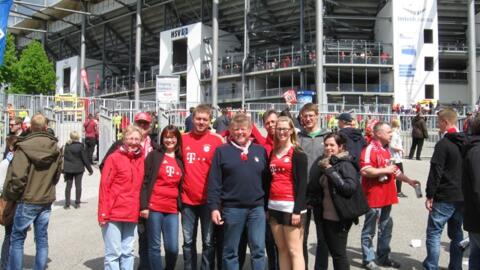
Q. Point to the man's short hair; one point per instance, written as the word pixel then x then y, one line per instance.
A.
pixel 309 107
pixel 476 125
pixel 268 113
pixel 38 123
pixel 449 115
pixel 203 108
pixel 378 126
pixel 18 120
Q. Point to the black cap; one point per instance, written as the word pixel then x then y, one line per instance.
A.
pixel 345 117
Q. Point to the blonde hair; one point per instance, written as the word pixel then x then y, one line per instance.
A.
pixel 74 136
pixel 293 136
pixel 38 123
pixel 131 129
pixel 448 115
pixel 395 123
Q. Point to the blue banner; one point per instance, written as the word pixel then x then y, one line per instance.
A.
pixel 4 10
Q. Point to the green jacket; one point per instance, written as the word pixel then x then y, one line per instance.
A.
pixel 34 170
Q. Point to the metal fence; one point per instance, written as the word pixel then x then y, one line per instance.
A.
pixel 106 132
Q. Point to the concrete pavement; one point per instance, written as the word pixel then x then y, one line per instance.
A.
pixel 76 241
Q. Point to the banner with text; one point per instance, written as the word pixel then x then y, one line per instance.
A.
pixel 168 89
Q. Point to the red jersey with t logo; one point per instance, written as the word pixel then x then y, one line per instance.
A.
pixel 165 191
pixel 281 188
pixel 197 152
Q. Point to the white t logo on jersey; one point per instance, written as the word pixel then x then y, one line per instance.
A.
pixel 190 157
pixel 170 170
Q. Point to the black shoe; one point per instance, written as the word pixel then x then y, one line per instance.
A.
pixel 401 195
pixel 419 158
pixel 66 207
pixel 76 206
pixel 390 263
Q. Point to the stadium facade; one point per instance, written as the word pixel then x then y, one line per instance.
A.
pixel 373 51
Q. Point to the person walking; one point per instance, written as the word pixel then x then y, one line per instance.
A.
pixel 444 192
pixel 396 152
pixel 160 198
pixel 74 164
pixel 90 127
pixel 419 134
pixel 471 193
pixel 236 193
pixel 287 195
pixel 30 182
pixel 379 187
pixel 198 148
pixel 119 200
pixel 337 176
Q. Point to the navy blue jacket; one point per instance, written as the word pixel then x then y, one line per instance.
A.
pixel 233 182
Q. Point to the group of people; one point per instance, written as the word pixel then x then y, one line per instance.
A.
pixel 248 189
pixel 245 189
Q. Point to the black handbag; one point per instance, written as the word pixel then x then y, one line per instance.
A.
pixel 350 208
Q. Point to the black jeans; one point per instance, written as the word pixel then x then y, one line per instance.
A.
pixel 69 177
pixel 90 148
pixel 416 143
pixel 321 254
pixel 336 236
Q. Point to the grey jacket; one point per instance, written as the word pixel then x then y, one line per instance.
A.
pixel 312 146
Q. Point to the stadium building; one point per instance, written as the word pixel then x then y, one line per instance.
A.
pixel 231 52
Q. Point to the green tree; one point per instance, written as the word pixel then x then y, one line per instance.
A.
pixel 36 74
pixel 8 74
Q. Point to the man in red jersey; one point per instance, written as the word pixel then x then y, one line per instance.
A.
pixel 378 182
pixel 198 147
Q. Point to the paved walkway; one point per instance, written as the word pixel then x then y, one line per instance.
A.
pixel 76 242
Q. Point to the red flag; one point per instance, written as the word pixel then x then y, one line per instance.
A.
pixel 290 97
pixel 97 82
pixel 84 75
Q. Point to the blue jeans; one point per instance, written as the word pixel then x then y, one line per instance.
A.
pixel 190 216
pixel 25 215
pixel 235 221
pixel 167 225
pixel 119 238
pixel 474 259
pixel 385 225
pixel 441 214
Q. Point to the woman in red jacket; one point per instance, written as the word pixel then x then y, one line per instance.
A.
pixel 119 200
pixel 160 198
pixel 287 199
